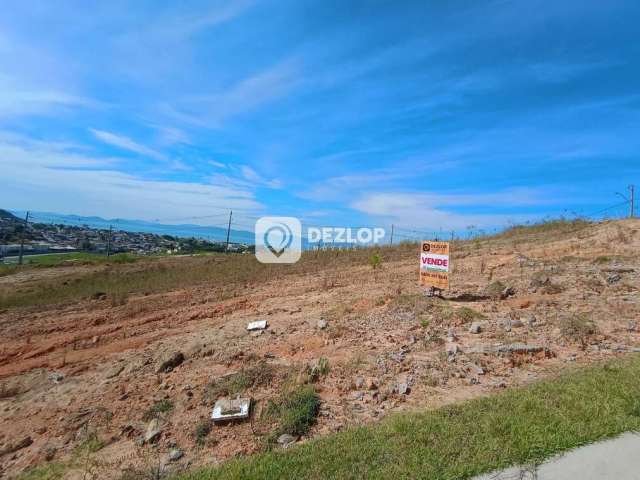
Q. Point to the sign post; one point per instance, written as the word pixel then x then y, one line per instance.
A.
pixel 434 266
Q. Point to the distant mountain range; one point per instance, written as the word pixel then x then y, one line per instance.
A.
pixel 183 230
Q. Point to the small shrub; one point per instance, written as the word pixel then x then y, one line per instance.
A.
pixel 375 261
pixel 323 366
pixel 466 314
pixel 158 408
pixel 424 322
pixel 552 289
pixel 602 259
pixel 577 328
pixel 430 380
pixel 203 428
pixel 495 289
pixel 295 411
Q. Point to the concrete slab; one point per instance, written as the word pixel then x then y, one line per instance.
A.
pixel 257 325
pixel 226 410
pixel 615 459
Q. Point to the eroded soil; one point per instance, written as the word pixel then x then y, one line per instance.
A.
pixel 63 370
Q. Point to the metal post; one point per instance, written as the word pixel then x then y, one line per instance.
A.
pixel 109 241
pixel 24 229
pixel 229 229
pixel 632 191
pixel 391 241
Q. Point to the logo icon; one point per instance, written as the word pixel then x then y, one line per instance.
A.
pixel 278 239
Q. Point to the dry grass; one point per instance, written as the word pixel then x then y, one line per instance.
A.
pixel 257 375
pixel 157 275
pixel 577 328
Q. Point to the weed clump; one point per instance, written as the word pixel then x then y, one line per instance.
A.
pixel 577 328
pixel 157 409
pixel 466 315
pixel 295 411
pixel 495 289
pixel 258 375
pixel 203 428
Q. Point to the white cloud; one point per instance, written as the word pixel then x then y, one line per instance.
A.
pixel 19 99
pixel 126 143
pixel 54 177
pixel 429 210
pixel 252 176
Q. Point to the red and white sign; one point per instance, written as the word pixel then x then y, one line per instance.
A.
pixel 433 261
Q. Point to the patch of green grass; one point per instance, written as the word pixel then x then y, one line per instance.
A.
pixel 295 411
pixel 49 471
pixel 517 426
pixel 77 258
pixel 203 428
pixel 157 409
pixel 602 259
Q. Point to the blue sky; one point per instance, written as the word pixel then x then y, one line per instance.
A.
pixel 429 114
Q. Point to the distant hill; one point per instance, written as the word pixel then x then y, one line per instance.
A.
pixel 5 215
pixel 141 226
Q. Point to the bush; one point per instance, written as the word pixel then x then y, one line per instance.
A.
pixel 295 411
pixel 203 428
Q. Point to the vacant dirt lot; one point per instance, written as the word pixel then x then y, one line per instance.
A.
pixel 522 307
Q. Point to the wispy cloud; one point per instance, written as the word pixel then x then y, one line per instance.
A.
pixel 244 176
pixel 126 143
pixel 434 211
pixel 42 173
pixel 212 109
pixel 17 99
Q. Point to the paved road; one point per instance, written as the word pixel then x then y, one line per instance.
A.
pixel 616 459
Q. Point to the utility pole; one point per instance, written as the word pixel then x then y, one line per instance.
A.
pixel 229 229
pixel 24 230
pixel 391 241
pixel 109 241
pixel 631 201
